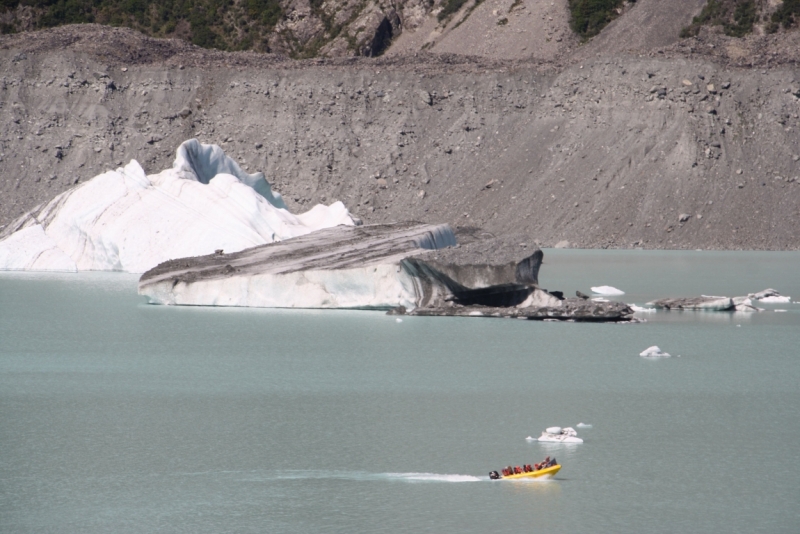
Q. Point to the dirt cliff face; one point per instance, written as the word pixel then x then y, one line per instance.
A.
pixel 670 149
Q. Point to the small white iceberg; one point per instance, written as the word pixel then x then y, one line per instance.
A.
pixel 599 299
pixel 584 425
pixel 607 291
pixel 640 309
pixel 654 352
pixel 776 299
pixel 769 295
pixel 556 434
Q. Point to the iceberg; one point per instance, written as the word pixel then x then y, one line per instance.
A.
pixel 126 220
pixel 364 267
pixel 556 434
pixel 406 268
pixel 776 299
pixel 654 352
pixel 695 303
pixel 607 291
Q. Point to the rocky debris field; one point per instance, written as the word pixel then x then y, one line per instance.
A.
pixel 672 148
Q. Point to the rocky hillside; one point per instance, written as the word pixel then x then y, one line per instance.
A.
pixel 691 144
pixel 335 28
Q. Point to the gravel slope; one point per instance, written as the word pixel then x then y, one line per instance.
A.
pixel 609 150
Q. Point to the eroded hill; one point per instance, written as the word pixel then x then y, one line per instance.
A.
pixel 689 145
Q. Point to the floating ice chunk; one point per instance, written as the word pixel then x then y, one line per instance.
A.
pixel 556 434
pixel 599 299
pixel 770 295
pixel 763 294
pixel 704 303
pixel 530 438
pixel 776 299
pixel 584 425
pixel 125 220
pixel 744 304
pixel 31 249
pixel 780 311
pixel 398 320
pixel 653 352
pixel 640 309
pixel 607 290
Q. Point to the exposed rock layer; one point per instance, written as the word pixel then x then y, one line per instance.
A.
pixel 613 151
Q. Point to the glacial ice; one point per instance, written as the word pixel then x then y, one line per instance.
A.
pixel 557 434
pixel 607 291
pixel 584 425
pixel 343 267
pixel 775 299
pixel 31 249
pixel 654 352
pixel 125 220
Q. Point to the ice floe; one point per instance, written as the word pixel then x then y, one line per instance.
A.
pixel 607 291
pixel 584 425
pixel 776 299
pixel 654 352
pixel 641 309
pixel 125 220
pixel 557 434
pixel 770 296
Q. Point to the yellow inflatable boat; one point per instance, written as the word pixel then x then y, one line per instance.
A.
pixel 547 472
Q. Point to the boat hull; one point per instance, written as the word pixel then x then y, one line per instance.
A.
pixel 541 473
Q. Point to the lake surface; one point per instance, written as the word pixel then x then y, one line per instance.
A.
pixel 118 416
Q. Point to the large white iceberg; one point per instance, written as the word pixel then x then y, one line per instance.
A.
pixel 125 220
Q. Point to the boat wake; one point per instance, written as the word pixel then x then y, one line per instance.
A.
pixel 367 477
pixel 433 477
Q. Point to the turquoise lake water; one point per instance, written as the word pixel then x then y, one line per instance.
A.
pixel 118 416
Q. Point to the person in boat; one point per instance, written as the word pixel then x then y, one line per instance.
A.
pixel 494 475
pixel 546 463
